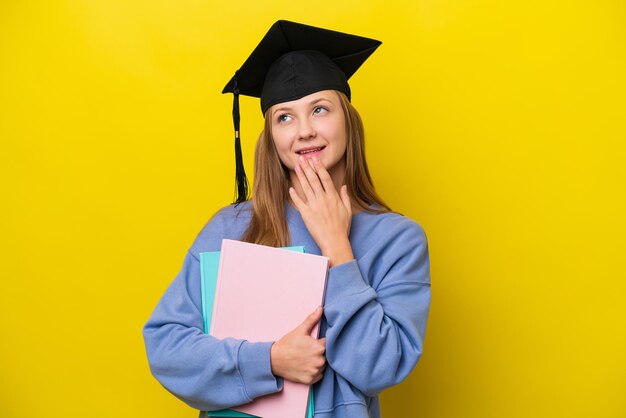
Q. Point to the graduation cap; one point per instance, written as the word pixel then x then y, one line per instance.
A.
pixel 292 61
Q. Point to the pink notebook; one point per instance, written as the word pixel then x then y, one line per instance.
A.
pixel 262 293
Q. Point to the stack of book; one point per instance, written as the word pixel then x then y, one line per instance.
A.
pixel 261 293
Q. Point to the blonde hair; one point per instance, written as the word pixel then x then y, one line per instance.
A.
pixel 268 225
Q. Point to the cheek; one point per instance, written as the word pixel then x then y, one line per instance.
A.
pixel 338 135
pixel 283 149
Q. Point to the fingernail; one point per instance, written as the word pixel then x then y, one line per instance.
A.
pixel 316 160
pixel 301 158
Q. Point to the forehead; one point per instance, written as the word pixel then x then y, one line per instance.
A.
pixel 329 95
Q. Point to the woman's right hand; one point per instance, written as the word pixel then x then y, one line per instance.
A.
pixel 297 356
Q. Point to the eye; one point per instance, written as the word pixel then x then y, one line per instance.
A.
pixel 283 118
pixel 319 109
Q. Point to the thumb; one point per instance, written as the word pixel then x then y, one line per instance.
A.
pixel 310 321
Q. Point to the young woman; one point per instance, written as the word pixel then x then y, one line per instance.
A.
pixel 312 188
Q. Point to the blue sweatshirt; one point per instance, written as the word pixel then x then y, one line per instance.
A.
pixel 374 321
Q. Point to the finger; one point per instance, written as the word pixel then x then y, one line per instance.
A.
pixel 322 345
pixel 324 176
pixel 320 366
pixel 304 182
pixel 318 376
pixel 310 321
pixel 320 349
pixel 296 199
pixel 311 176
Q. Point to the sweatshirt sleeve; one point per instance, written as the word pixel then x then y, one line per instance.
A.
pixel 204 372
pixel 374 336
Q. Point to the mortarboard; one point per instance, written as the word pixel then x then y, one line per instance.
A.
pixel 292 61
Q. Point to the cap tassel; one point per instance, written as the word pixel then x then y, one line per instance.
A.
pixel 240 172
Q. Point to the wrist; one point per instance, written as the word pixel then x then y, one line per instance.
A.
pixel 274 362
pixel 339 253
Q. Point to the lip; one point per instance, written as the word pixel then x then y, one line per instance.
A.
pixel 308 151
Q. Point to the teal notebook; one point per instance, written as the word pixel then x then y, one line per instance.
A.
pixel 209 263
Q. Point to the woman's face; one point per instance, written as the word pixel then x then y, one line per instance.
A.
pixel 311 126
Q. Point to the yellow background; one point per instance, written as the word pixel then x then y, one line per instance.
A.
pixel 498 125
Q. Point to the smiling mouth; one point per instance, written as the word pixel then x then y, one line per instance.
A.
pixel 310 150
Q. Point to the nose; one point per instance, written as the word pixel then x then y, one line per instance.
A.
pixel 306 129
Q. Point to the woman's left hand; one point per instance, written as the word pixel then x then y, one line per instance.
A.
pixel 326 213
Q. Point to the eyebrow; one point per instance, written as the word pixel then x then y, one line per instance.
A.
pixel 310 104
